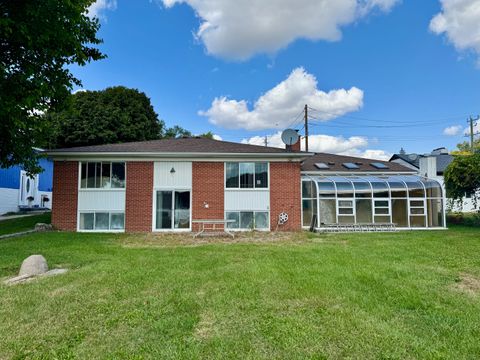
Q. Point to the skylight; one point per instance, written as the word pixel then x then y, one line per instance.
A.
pixel 350 165
pixel 379 165
pixel 322 166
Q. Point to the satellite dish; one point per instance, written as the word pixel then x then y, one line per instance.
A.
pixel 290 137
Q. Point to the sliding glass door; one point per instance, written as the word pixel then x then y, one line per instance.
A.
pixel 172 210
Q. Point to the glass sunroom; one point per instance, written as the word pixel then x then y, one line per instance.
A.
pixel 408 201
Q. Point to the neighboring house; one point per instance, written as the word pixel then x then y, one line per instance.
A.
pixel 21 192
pixel 433 166
pixel 163 185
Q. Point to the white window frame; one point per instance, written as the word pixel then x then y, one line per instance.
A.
pixel 154 210
pixel 353 207
pixel 109 212
pixel 80 188
pixel 388 207
pixel 252 211
pixel 254 188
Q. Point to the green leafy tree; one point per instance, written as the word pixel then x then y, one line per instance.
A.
pixel 465 147
pixel 207 135
pixel 462 177
pixel 176 131
pixel 39 40
pixel 113 115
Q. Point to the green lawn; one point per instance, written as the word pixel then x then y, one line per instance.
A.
pixel 404 295
pixel 23 224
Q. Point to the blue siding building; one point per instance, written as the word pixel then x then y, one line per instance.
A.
pixel 18 191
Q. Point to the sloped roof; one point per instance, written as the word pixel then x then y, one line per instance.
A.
pixel 335 164
pixel 179 145
pixel 443 160
pixel 412 159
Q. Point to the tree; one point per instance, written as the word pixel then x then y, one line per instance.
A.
pixel 113 115
pixel 462 177
pixel 176 131
pixel 39 40
pixel 465 148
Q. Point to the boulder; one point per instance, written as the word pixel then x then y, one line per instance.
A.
pixel 33 265
pixel 43 227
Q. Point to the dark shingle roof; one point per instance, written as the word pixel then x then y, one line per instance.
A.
pixel 180 145
pixel 335 164
pixel 443 160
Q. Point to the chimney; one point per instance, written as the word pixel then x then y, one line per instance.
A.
pixel 428 166
pixel 297 147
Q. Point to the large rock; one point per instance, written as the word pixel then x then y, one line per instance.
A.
pixel 33 265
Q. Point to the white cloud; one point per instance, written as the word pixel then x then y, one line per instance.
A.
pixel 353 146
pixel 278 107
pixel 459 21
pixel 452 130
pixel 238 29
pixel 98 8
pixel 217 137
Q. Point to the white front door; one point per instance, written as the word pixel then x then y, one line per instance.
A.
pixel 28 189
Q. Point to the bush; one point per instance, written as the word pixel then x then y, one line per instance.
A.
pixel 466 219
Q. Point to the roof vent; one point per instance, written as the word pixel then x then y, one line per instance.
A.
pixel 331 163
pixel 358 163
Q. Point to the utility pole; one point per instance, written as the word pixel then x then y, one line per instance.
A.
pixel 306 127
pixel 265 141
pixel 471 120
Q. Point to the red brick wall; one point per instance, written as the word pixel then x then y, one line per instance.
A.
pixel 139 197
pixel 285 194
pixel 65 195
pixel 207 186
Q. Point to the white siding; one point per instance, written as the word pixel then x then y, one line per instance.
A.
pixel 8 200
pixel 164 178
pixel 247 200
pixel 112 200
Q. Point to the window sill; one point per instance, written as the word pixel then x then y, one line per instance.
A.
pixel 102 189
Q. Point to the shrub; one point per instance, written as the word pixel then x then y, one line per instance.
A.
pixel 466 219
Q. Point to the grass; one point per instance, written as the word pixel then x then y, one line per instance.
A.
pixel 23 223
pixel 404 295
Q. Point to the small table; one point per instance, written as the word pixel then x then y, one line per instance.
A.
pixel 213 230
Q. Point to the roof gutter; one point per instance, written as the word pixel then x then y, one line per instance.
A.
pixel 70 155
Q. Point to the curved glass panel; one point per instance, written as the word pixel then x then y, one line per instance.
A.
pixel 397 189
pixel 415 189
pixel 380 189
pixel 433 188
pixel 344 189
pixel 326 189
pixel 362 189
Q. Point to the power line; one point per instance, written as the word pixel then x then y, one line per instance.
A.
pixel 431 120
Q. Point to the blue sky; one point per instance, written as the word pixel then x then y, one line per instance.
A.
pixel 380 75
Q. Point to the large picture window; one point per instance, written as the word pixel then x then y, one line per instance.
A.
pixel 246 175
pixel 102 175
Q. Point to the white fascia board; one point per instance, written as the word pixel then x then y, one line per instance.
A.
pixel 151 156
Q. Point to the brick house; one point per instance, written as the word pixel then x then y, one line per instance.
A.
pixel 165 185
